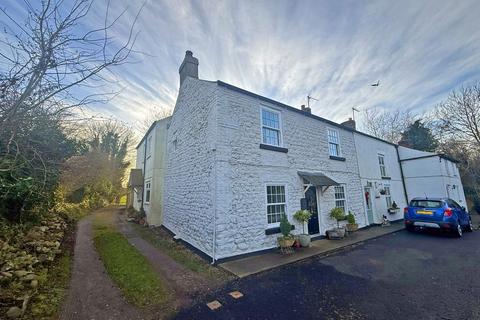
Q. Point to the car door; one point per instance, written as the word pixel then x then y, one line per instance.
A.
pixel 459 211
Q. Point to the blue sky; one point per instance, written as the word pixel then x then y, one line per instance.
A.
pixel 285 50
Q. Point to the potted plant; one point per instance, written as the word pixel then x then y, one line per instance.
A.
pixel 141 216
pixel 394 209
pixel 287 239
pixel 351 225
pixel 338 215
pixel 303 216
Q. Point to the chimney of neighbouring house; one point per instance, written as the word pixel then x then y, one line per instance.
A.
pixel 189 67
pixel 350 123
pixel 306 109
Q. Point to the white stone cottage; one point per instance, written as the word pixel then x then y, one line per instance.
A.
pixel 221 171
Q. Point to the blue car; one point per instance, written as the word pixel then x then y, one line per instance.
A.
pixel 437 213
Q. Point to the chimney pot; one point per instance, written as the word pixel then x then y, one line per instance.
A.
pixel 189 67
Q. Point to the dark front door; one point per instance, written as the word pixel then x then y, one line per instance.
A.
pixel 311 199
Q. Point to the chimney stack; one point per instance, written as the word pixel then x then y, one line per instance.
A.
pixel 350 123
pixel 306 109
pixel 189 67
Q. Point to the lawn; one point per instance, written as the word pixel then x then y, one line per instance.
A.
pixel 181 254
pixel 127 267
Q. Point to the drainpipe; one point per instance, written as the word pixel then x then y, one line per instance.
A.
pixel 144 168
pixel 214 149
pixel 401 174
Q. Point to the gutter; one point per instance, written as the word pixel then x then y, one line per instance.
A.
pixel 402 175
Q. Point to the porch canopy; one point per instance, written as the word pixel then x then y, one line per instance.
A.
pixel 317 179
pixel 136 178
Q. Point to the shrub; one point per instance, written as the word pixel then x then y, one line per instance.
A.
pixel 302 216
pixel 337 214
pixel 351 218
pixel 285 226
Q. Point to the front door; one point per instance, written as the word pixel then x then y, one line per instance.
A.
pixel 311 199
pixel 368 204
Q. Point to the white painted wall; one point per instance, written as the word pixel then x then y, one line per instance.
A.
pixel 367 154
pixel 432 176
pixel 190 177
pixel 154 171
pixel 243 170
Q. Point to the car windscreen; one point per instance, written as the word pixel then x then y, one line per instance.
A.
pixel 426 203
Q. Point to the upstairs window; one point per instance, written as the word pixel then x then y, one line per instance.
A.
pixel 148 187
pixel 333 143
pixel 340 198
pixel 381 163
pixel 275 203
pixel 149 146
pixel 388 196
pixel 271 132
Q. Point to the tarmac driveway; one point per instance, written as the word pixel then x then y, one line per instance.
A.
pixel 398 276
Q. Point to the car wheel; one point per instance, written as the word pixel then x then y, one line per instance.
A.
pixel 410 228
pixel 469 227
pixel 459 231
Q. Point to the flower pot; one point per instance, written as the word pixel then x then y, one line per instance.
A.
pixel 304 239
pixel 352 227
pixel 336 234
pixel 285 242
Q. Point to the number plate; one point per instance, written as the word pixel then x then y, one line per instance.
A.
pixel 424 212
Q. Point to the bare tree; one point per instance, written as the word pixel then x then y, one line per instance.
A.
pixel 459 116
pixel 45 60
pixel 387 125
pixel 157 113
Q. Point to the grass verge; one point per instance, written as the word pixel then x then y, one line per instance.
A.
pixel 127 267
pixel 181 254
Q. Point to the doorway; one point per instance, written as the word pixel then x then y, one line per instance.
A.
pixel 311 200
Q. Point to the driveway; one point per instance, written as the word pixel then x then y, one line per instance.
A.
pixel 398 276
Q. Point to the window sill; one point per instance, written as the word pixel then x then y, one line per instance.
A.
pixel 273 148
pixel 337 158
pixel 276 230
pixel 386 178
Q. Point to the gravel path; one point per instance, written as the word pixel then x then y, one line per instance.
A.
pixel 92 295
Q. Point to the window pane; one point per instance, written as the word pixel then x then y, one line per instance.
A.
pixel 333 149
pixel 270 119
pixel 271 136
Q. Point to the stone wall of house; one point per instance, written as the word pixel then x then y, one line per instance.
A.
pixel 189 178
pixel 244 170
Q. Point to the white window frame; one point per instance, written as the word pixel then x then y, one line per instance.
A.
pixel 338 143
pixel 280 128
pixel 148 191
pixel 384 166
pixel 388 196
pixel 341 199
pixel 274 224
pixel 149 146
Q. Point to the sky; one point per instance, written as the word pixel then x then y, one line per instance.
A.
pixel 285 50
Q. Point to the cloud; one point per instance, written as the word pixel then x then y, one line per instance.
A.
pixel 285 50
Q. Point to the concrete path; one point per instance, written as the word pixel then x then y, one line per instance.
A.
pixel 265 261
pixel 92 295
